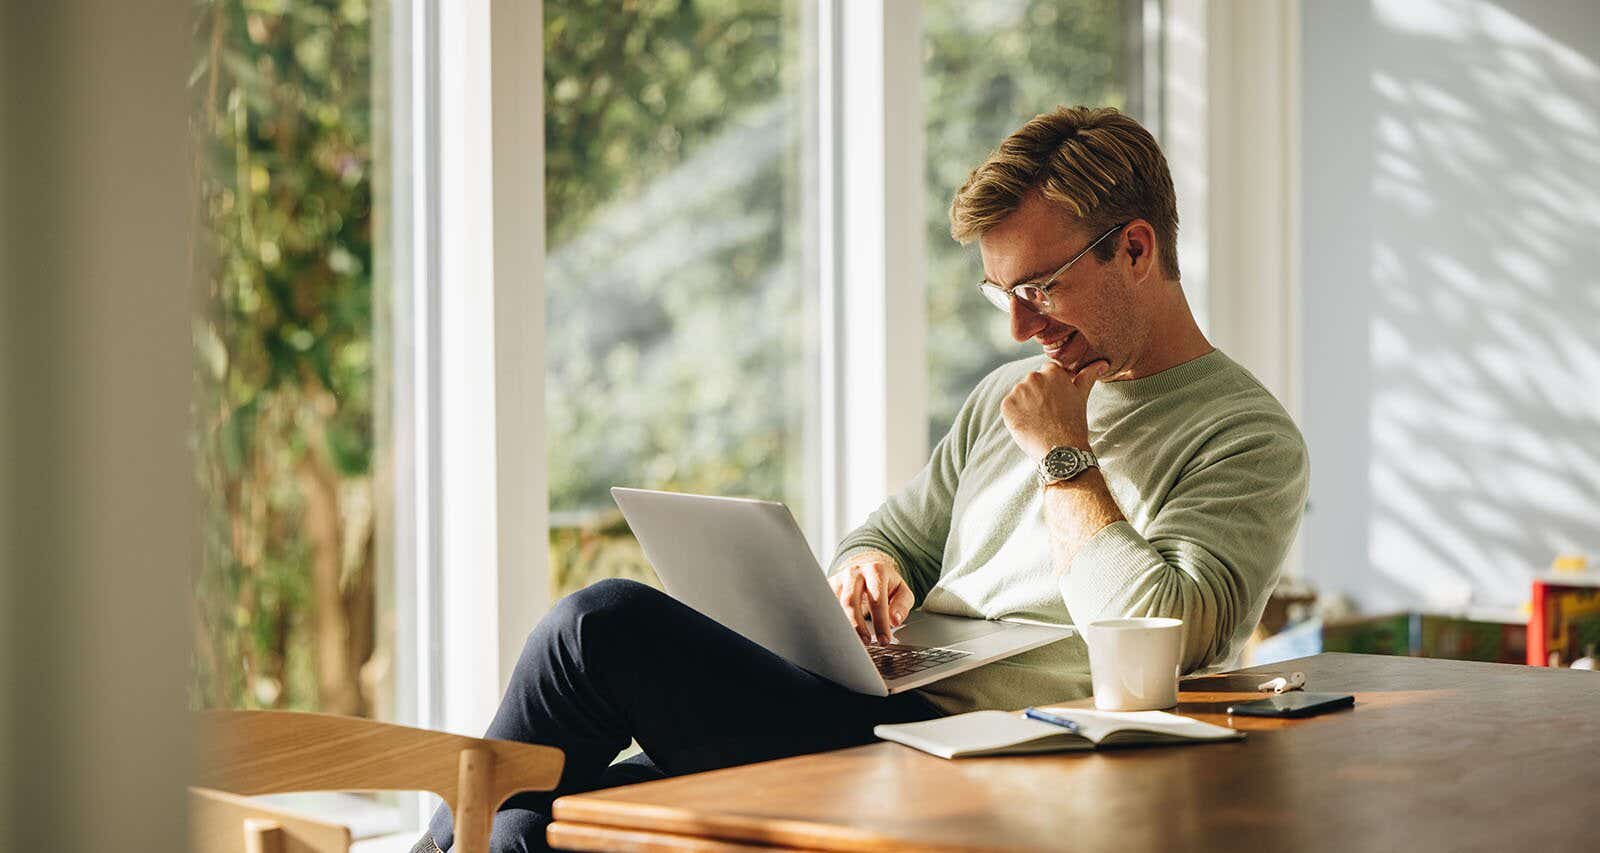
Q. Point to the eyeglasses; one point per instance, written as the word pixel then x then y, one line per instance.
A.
pixel 1036 295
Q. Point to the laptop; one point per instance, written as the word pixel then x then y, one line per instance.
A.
pixel 746 564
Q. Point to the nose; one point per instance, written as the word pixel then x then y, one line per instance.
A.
pixel 1025 322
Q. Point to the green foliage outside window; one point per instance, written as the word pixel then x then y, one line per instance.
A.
pixel 284 606
pixel 677 343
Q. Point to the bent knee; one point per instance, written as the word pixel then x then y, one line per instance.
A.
pixel 605 598
pixel 612 594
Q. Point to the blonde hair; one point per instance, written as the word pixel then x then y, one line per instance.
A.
pixel 1100 165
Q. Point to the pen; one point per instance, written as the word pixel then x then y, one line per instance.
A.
pixel 1052 719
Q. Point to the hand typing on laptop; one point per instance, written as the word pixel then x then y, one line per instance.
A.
pixel 873 595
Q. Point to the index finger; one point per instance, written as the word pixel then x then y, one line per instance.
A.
pixel 850 600
pixel 877 587
pixel 1086 375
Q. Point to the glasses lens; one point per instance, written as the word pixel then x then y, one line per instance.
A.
pixel 1033 295
pixel 996 296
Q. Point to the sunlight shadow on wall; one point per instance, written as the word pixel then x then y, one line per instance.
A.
pixel 1484 332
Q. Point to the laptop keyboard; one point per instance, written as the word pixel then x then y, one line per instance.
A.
pixel 895 661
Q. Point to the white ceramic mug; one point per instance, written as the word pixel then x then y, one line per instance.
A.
pixel 1134 662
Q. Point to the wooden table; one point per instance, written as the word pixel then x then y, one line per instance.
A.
pixel 1436 755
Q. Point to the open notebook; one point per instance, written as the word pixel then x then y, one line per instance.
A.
pixel 1004 733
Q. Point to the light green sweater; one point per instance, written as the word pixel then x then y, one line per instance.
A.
pixel 1209 471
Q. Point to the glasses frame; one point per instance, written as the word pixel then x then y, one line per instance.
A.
pixel 1000 297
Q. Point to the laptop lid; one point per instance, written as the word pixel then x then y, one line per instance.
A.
pixel 746 564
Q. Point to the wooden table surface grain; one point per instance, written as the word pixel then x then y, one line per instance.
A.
pixel 1436 755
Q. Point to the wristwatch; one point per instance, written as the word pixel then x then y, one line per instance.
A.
pixel 1064 463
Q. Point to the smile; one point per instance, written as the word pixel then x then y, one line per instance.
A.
pixel 1053 348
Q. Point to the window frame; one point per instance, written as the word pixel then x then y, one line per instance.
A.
pixel 487 501
pixel 470 561
pixel 874 302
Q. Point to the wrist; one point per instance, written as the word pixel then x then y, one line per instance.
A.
pixel 1088 480
pixel 863 554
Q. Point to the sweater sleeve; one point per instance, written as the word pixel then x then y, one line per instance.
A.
pixel 1211 553
pixel 913 524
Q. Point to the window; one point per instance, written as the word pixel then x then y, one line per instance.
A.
pixel 989 67
pixel 286 424
pixel 291 609
pixel 679 274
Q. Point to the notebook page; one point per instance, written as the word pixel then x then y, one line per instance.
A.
pixel 1096 725
pixel 980 732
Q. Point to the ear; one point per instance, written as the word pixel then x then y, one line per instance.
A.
pixel 1139 249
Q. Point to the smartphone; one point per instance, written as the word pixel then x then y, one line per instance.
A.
pixel 1296 703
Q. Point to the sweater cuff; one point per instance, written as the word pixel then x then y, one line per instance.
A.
pixel 870 543
pixel 1104 570
pixel 845 554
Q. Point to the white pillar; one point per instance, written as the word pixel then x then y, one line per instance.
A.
pixel 876 413
pixel 493 504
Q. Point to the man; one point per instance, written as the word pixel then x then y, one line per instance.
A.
pixel 1191 483
pixel 1201 475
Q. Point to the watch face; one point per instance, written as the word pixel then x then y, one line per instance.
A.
pixel 1064 467
pixel 1062 463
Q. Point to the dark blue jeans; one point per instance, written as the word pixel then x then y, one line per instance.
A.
pixel 619 660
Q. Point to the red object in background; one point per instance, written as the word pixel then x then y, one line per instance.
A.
pixel 1565 620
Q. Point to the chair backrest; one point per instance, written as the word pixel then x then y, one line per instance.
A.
pixel 224 823
pixel 268 752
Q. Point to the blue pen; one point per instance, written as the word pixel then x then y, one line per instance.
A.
pixel 1052 719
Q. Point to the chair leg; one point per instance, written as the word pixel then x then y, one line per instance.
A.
pixel 474 817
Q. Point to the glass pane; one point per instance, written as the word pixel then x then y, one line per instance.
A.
pixel 294 606
pixel 286 612
pixel 988 67
pixel 681 321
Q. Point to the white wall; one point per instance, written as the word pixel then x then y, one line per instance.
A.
pixel 1451 304
pixel 97 533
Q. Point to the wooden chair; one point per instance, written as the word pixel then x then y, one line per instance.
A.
pixel 224 823
pixel 269 752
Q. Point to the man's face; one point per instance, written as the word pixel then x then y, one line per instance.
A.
pixel 1094 312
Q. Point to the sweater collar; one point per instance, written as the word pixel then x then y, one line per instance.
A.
pixel 1169 380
